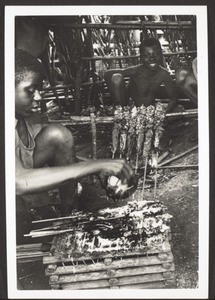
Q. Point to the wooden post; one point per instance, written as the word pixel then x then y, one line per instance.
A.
pixel 78 64
pixel 78 89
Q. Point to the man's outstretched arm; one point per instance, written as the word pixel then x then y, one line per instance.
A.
pixel 42 179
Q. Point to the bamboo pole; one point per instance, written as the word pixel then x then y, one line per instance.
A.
pixel 163 254
pixel 181 25
pixel 75 120
pixel 61 88
pixel 135 56
pixel 112 282
pixel 184 113
pixel 178 156
pixel 179 167
pixel 114 273
pixel 126 262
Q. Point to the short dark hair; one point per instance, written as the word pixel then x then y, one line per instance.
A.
pixel 149 42
pixel 25 63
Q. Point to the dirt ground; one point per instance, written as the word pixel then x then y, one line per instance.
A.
pixel 176 188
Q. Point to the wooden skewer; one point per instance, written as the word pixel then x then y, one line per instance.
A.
pixel 144 179
pixel 137 162
pixel 55 219
pixel 156 173
pixel 47 233
pixel 175 167
pixel 45 228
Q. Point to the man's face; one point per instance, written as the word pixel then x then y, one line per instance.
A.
pixel 27 95
pixel 151 57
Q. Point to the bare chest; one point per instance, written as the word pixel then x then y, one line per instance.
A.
pixel 145 84
pixel 23 132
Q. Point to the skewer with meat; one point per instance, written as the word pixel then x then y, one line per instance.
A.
pixel 124 130
pixel 160 114
pixel 148 139
pixel 131 132
pixel 141 124
pixel 140 131
pixel 116 129
pixel 149 130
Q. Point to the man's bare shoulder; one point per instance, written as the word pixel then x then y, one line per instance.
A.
pixel 164 71
pixel 164 74
pixel 133 70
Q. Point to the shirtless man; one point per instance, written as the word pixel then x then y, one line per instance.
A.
pixel 45 156
pixel 145 79
pixel 186 79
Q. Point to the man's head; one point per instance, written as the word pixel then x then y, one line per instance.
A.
pixel 29 74
pixel 151 53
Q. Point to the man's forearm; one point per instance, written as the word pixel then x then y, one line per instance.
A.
pixel 43 179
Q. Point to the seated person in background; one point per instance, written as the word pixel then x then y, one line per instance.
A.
pixel 186 79
pixel 144 79
pixel 45 155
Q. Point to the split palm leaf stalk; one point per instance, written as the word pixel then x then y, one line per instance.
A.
pixel 180 40
pixel 124 41
pixel 68 47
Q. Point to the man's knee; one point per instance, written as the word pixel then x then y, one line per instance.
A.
pixel 117 79
pixel 57 134
pixel 182 75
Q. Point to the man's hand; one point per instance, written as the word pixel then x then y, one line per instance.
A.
pixel 117 167
pixel 179 108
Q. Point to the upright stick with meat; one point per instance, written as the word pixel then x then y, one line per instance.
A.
pixel 140 127
pixel 116 129
pixel 149 130
pixel 131 132
pixel 148 139
pixel 160 114
pixel 124 130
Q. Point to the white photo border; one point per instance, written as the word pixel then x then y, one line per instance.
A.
pixel 203 126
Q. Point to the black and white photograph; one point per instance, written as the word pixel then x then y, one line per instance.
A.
pixel 107 195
